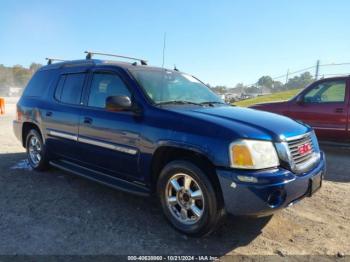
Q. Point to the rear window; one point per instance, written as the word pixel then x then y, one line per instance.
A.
pixel 39 83
pixel 69 88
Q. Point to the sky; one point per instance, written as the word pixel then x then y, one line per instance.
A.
pixel 220 42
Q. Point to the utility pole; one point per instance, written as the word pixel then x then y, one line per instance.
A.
pixel 287 75
pixel 317 69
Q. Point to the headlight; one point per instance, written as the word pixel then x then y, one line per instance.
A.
pixel 253 154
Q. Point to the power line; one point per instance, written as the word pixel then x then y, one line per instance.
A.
pixel 336 64
pixel 317 66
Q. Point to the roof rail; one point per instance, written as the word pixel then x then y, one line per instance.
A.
pixel 89 55
pixel 50 60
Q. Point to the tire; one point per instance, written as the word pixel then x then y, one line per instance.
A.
pixel 202 213
pixel 36 151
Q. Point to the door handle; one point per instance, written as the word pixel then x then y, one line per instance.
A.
pixel 339 110
pixel 87 120
pixel 48 113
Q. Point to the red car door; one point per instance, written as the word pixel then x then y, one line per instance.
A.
pixel 324 106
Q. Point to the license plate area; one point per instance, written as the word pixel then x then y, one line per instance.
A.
pixel 315 183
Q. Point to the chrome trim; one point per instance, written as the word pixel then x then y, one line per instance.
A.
pixel 63 135
pixel 305 166
pixel 283 152
pixel 107 145
pixel 93 142
pixel 300 167
pixel 330 128
pixel 298 137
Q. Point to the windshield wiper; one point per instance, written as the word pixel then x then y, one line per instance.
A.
pixel 212 103
pixel 178 102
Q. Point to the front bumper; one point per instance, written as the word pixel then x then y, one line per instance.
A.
pixel 269 190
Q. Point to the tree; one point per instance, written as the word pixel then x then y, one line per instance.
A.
pixel 300 81
pixel 219 89
pixel 277 86
pixel 265 81
pixel 252 90
pixel 21 75
pixel 34 67
pixel 16 76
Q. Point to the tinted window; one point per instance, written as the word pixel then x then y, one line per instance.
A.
pixel 71 90
pixel 103 86
pixel 39 83
pixel 59 88
pixel 329 91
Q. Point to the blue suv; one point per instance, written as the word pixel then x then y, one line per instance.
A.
pixel 153 131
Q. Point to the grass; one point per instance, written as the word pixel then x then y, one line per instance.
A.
pixel 280 96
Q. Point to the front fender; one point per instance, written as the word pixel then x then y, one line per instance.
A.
pixel 186 146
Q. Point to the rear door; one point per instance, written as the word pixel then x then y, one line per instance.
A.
pixel 324 106
pixel 62 117
pixel 109 140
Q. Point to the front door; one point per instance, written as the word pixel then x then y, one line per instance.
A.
pixel 324 107
pixel 108 140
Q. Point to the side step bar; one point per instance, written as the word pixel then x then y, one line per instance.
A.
pixel 101 178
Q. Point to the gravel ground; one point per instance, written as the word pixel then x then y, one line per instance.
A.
pixel 57 213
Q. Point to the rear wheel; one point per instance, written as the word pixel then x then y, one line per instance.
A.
pixel 36 151
pixel 188 198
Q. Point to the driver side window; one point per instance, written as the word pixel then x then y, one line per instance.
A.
pixel 105 85
pixel 327 92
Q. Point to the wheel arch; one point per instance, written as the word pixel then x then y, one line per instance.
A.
pixel 166 153
pixel 27 126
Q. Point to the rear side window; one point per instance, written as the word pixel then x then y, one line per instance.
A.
pixel 69 88
pixel 39 83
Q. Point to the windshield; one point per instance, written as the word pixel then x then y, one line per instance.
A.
pixel 164 86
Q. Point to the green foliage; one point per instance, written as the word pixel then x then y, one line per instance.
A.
pixel 280 96
pixel 219 89
pixel 299 81
pixel 265 82
pixel 16 76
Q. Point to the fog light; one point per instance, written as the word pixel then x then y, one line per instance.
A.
pixel 276 199
pixel 249 179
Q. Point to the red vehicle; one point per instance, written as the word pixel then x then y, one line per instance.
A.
pixel 324 105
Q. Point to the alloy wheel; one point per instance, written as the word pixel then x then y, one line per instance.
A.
pixel 34 150
pixel 185 198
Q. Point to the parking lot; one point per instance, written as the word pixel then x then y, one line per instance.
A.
pixel 57 213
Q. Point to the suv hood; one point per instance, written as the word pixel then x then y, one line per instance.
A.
pixel 247 122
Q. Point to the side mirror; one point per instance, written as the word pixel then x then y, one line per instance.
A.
pixel 118 103
pixel 300 100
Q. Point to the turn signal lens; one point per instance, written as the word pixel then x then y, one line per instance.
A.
pixel 241 156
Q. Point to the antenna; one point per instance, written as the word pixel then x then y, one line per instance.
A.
pixel 164 45
pixel 50 60
pixel 89 55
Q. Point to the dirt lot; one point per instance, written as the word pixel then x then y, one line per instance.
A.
pixel 57 213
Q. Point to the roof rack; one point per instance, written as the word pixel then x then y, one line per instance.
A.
pixel 89 55
pixel 50 60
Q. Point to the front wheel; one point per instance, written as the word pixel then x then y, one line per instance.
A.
pixel 188 198
pixel 36 152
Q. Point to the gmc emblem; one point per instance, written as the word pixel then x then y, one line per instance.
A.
pixel 304 149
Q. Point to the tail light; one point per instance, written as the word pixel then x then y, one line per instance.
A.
pixel 18 115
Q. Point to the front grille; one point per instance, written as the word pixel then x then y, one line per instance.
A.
pixel 294 145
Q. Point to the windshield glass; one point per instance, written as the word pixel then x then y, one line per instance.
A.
pixel 163 86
